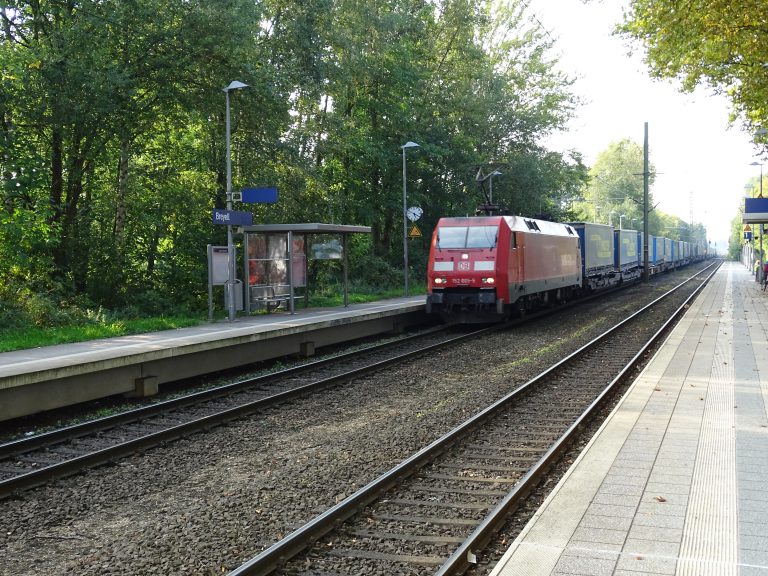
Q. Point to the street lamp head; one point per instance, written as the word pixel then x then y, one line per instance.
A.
pixel 755 164
pixel 235 85
pixel 410 144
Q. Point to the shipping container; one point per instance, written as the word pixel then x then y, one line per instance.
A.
pixel 597 254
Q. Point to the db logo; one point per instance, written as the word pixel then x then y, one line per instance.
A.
pixel 463 265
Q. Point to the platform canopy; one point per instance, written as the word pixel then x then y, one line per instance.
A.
pixel 307 228
pixel 755 211
pixel 343 230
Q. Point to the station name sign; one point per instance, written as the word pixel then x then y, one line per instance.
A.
pixel 232 217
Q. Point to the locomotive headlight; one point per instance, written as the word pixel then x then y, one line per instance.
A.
pixel 441 281
pixel 488 280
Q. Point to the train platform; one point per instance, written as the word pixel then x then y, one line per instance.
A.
pixel 50 377
pixel 674 482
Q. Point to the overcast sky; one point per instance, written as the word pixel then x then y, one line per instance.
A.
pixel 703 164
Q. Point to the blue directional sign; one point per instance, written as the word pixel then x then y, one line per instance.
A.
pixel 232 217
pixel 259 195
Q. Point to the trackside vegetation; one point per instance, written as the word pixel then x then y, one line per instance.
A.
pixel 81 326
pixel 112 137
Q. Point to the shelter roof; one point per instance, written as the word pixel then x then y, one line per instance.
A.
pixel 314 228
pixel 755 210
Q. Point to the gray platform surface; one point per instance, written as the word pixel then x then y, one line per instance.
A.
pixel 676 480
pixel 62 355
pixel 51 377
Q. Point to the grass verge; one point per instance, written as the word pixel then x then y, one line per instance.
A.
pixel 34 337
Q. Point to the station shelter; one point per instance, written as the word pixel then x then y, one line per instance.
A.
pixel 276 256
pixel 756 212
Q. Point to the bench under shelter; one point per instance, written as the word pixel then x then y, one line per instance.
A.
pixel 275 260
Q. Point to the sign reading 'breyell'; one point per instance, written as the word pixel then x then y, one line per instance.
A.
pixel 232 217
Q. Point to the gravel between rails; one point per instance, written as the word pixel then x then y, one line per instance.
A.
pixel 206 504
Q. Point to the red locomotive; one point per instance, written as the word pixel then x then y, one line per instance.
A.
pixel 484 268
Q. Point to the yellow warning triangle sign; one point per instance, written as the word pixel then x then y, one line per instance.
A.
pixel 415 232
pixel 747 228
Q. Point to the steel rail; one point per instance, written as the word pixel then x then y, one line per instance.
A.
pixel 74 465
pixel 465 556
pixel 279 553
pixel 23 445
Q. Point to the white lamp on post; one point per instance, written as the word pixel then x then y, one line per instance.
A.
pixel 234 85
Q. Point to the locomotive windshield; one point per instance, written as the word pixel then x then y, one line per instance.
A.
pixel 467 237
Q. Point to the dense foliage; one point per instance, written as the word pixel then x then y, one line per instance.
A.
pixel 717 43
pixel 112 134
pixel 720 43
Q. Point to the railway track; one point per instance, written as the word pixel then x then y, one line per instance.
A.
pixel 35 460
pixel 32 461
pixel 434 512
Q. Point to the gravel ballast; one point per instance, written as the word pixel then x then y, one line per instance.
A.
pixel 207 503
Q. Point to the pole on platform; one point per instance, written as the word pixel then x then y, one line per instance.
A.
pixel 231 304
pixel 408 144
pixel 759 274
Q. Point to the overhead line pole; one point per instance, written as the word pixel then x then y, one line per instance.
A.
pixel 646 264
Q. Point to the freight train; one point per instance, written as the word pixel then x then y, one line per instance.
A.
pixel 488 268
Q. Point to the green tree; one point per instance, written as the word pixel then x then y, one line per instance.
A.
pixel 95 79
pixel 112 145
pixel 616 187
pixel 720 43
pixel 524 99
pixel 614 195
pixel 736 239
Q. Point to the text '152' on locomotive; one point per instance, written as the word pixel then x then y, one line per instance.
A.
pixel 488 268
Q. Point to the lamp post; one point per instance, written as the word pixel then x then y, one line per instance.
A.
pixel 610 217
pixel 234 85
pixel 408 144
pixel 748 254
pixel 759 275
pixel 621 220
